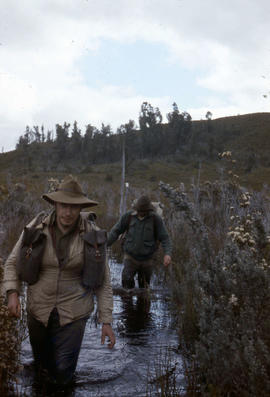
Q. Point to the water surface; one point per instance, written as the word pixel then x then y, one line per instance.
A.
pixel 145 337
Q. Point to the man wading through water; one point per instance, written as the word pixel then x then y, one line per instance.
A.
pixel 143 229
pixel 63 259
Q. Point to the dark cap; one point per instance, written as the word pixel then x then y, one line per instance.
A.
pixel 143 204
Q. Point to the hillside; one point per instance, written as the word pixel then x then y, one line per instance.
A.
pixel 246 136
pixel 240 134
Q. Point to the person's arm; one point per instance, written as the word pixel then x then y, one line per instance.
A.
pixel 118 228
pixel 167 260
pixel 105 306
pixel 14 305
pixel 165 240
pixel 11 283
pixel 107 331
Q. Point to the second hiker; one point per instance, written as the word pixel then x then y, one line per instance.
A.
pixel 143 229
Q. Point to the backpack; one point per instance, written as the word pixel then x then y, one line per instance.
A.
pixel 31 252
pixel 95 253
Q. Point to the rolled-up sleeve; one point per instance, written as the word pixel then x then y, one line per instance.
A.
pixel 105 298
pixel 10 280
pixel 118 228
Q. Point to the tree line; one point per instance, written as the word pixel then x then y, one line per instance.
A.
pixel 68 144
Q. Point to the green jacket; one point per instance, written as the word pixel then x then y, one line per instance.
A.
pixel 142 235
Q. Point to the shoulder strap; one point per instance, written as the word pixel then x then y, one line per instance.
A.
pixel 128 222
pixel 155 226
pixel 37 220
pixel 89 220
pixel 88 215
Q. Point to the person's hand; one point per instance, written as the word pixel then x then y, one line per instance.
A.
pixel 107 331
pixel 167 260
pixel 14 305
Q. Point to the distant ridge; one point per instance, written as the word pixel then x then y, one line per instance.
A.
pixel 247 136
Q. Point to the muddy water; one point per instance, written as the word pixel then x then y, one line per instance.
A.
pixel 144 332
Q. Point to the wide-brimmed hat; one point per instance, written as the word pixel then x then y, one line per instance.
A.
pixel 143 204
pixel 69 192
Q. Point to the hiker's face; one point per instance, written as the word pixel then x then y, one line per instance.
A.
pixel 142 214
pixel 67 214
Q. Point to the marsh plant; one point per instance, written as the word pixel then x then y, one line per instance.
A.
pixel 12 333
pixel 165 375
pixel 220 284
pixel 16 209
pixel 9 349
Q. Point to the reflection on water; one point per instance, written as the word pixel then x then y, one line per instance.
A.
pixel 143 329
pixel 136 313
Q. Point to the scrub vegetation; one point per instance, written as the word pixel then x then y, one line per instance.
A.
pixel 220 285
pixel 216 210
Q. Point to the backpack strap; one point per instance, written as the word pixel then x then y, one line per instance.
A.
pixel 155 226
pixel 38 219
pixel 88 217
pixel 128 223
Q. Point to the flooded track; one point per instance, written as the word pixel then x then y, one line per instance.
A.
pixel 144 333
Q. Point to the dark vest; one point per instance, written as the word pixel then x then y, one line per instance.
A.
pixel 32 250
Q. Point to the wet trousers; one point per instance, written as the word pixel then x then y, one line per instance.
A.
pixel 144 269
pixel 56 348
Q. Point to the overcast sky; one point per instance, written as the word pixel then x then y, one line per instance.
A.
pixel 96 61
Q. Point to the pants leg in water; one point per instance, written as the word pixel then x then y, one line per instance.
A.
pixel 39 340
pixel 64 345
pixel 145 272
pixel 128 273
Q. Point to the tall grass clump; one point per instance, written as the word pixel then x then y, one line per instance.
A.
pixel 9 350
pixel 16 210
pixel 220 284
pixel 164 378
pixel 12 333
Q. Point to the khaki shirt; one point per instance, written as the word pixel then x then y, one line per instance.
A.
pixel 61 287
